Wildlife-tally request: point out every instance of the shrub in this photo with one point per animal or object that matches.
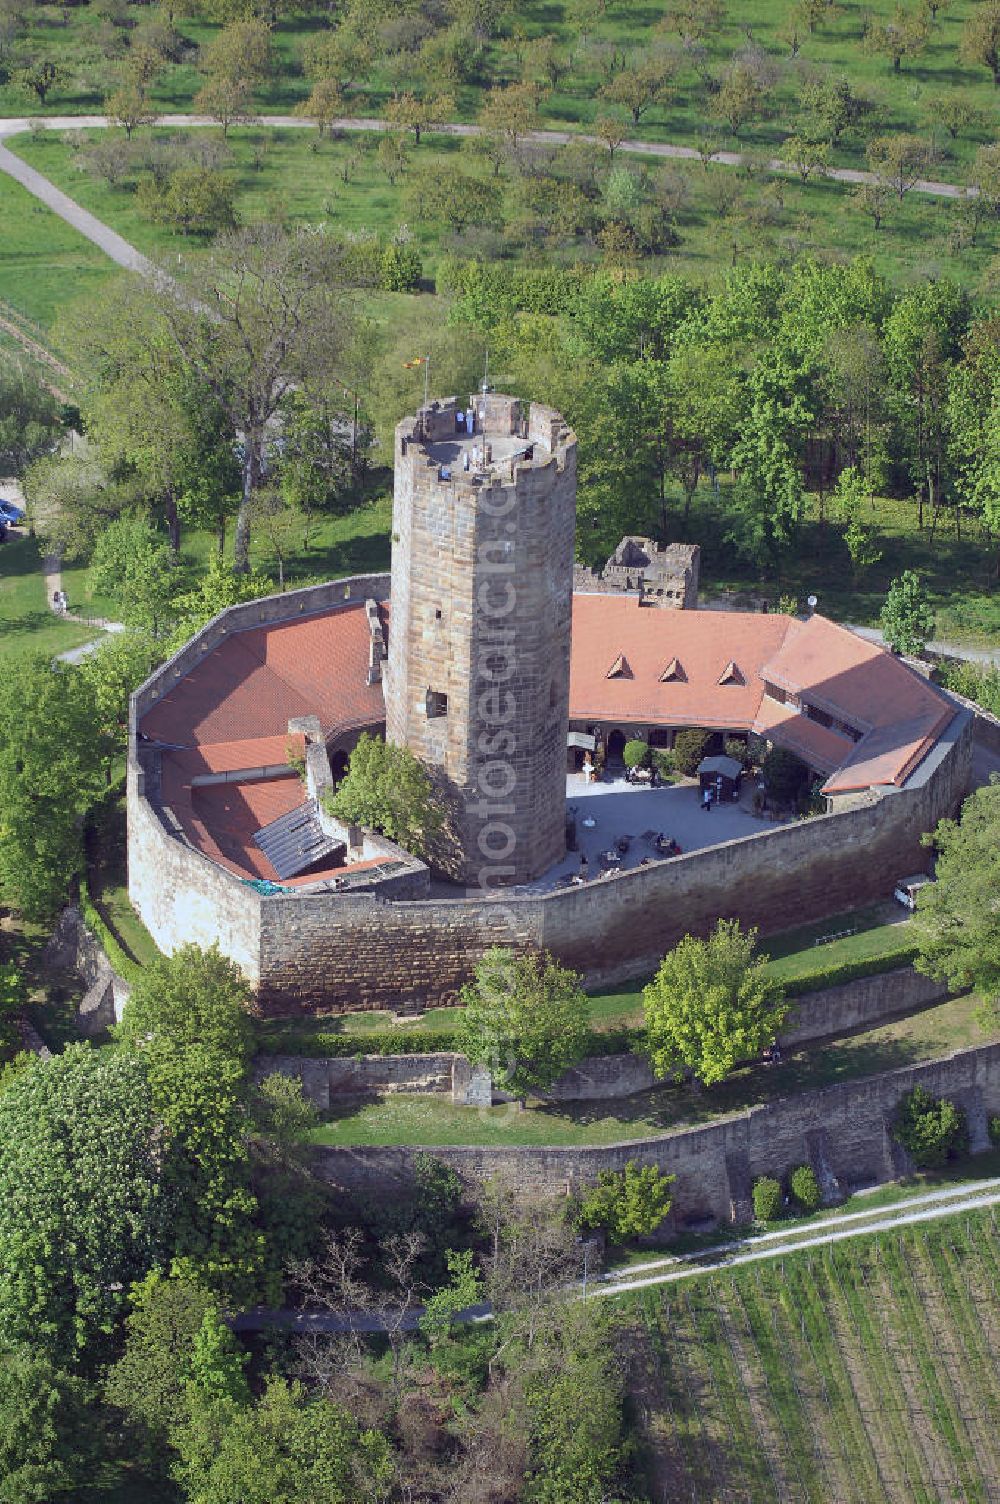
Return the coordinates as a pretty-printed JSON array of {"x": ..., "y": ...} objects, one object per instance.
[
  {"x": 931, "y": 1129},
  {"x": 805, "y": 1188},
  {"x": 766, "y": 1199},
  {"x": 689, "y": 748},
  {"x": 739, "y": 750},
  {"x": 664, "y": 762},
  {"x": 993, "y": 1129},
  {"x": 628, "y": 1205},
  {"x": 636, "y": 754},
  {"x": 784, "y": 774},
  {"x": 400, "y": 269}
]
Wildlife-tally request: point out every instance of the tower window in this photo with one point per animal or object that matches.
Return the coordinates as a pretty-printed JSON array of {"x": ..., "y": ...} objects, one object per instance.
[
  {"x": 437, "y": 614},
  {"x": 436, "y": 704}
]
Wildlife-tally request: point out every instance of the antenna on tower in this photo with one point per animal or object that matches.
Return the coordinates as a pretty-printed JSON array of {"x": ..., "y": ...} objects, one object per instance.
[{"x": 485, "y": 388}]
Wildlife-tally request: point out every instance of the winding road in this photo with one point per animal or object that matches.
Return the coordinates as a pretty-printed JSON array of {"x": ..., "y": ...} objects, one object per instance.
[{"x": 126, "y": 255}]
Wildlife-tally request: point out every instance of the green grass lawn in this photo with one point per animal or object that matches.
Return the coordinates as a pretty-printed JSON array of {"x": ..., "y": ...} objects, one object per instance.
[
  {"x": 107, "y": 881},
  {"x": 429, "y": 1121},
  {"x": 26, "y": 621},
  {"x": 43, "y": 261}
]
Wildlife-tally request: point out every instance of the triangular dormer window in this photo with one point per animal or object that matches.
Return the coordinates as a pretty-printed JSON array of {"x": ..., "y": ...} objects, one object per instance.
[
  {"x": 731, "y": 674},
  {"x": 672, "y": 672},
  {"x": 620, "y": 668}
]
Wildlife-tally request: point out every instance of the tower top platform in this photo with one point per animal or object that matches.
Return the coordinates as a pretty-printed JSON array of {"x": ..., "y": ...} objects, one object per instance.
[{"x": 486, "y": 438}]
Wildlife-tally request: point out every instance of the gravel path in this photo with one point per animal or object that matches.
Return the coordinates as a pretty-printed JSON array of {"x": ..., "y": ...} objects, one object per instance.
[
  {"x": 942, "y": 649},
  {"x": 928, "y": 1207}
]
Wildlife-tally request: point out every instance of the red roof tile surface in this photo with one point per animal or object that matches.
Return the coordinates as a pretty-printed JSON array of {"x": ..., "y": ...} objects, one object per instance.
[{"x": 231, "y": 712}]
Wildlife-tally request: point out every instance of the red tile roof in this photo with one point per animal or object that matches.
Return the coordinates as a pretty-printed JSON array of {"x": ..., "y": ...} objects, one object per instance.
[
  {"x": 703, "y": 642},
  {"x": 231, "y": 712},
  {"x": 254, "y": 682},
  {"x": 724, "y": 659}
]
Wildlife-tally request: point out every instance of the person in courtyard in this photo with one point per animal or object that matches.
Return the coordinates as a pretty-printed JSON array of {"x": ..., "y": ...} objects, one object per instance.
[{"x": 706, "y": 800}]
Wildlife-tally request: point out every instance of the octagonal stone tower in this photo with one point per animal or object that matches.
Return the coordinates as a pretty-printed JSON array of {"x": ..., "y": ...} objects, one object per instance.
[{"x": 477, "y": 679}]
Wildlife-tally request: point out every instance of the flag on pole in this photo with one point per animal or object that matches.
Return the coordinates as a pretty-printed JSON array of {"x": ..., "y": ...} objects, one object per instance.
[{"x": 421, "y": 360}]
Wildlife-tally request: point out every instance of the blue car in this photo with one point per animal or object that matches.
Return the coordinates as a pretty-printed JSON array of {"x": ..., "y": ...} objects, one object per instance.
[{"x": 10, "y": 513}]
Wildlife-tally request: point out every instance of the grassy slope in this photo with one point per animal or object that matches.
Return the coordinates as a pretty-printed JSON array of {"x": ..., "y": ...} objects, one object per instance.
[
  {"x": 25, "y": 618},
  {"x": 865, "y": 1371},
  {"x": 415, "y": 1120},
  {"x": 43, "y": 262}
]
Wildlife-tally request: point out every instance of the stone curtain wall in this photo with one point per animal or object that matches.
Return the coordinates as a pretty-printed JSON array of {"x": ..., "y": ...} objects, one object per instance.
[
  {"x": 183, "y": 896},
  {"x": 360, "y": 952},
  {"x": 844, "y": 1132}
]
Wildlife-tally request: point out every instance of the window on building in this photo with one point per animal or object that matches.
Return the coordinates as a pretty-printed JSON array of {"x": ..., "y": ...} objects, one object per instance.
[{"x": 436, "y": 703}]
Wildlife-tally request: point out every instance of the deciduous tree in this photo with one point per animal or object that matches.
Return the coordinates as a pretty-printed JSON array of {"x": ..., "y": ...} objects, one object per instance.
[
  {"x": 194, "y": 996},
  {"x": 387, "y": 788},
  {"x": 956, "y": 920},
  {"x": 711, "y": 1005},
  {"x": 981, "y": 38},
  {"x": 51, "y": 768},
  {"x": 524, "y": 1018},
  {"x": 907, "y": 619}
]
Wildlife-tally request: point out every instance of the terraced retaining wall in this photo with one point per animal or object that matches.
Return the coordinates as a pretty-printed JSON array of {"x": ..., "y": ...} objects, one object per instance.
[{"x": 843, "y": 1131}]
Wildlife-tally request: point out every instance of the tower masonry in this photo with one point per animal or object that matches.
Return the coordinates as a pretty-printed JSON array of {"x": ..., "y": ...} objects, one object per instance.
[{"x": 477, "y": 679}]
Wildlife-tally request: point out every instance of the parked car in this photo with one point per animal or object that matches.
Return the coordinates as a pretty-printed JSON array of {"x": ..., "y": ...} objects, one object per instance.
[
  {"x": 906, "y": 890},
  {"x": 10, "y": 513}
]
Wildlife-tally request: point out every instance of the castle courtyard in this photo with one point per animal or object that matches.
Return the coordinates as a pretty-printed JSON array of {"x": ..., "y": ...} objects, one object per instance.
[{"x": 620, "y": 811}]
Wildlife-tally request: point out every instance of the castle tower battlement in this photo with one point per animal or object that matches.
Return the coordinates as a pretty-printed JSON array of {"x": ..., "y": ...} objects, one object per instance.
[{"x": 477, "y": 678}]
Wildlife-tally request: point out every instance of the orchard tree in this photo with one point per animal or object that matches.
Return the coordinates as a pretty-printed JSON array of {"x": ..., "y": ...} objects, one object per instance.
[
  {"x": 387, "y": 788},
  {"x": 981, "y": 38},
  {"x": 711, "y": 1005},
  {"x": 904, "y": 34},
  {"x": 525, "y": 1019},
  {"x": 419, "y": 113},
  {"x": 899, "y": 161},
  {"x": 907, "y": 618},
  {"x": 51, "y": 768},
  {"x": 958, "y": 929}
]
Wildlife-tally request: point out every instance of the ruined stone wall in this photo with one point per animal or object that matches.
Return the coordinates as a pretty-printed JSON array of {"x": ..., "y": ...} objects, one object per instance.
[{"x": 843, "y": 1131}]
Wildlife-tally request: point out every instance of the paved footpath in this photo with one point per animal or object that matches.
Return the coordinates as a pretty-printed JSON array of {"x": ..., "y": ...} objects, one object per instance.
[
  {"x": 928, "y": 1207},
  {"x": 119, "y": 249}
]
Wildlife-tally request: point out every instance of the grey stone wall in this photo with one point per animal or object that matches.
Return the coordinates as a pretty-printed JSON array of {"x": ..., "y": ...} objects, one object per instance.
[
  {"x": 863, "y": 1003},
  {"x": 844, "y": 1131},
  {"x": 73, "y": 947}
]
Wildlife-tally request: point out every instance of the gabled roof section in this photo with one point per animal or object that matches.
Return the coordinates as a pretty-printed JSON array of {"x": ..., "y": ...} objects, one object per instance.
[
  {"x": 731, "y": 674},
  {"x": 673, "y": 671},
  {"x": 620, "y": 668}
]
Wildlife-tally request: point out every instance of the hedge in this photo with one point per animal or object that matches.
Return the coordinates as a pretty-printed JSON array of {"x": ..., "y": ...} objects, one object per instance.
[
  {"x": 849, "y": 971},
  {"x": 126, "y": 968},
  {"x": 321, "y": 1045}
]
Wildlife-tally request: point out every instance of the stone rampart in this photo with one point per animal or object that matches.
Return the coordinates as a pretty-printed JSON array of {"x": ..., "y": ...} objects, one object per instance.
[
  {"x": 843, "y": 1131},
  {"x": 73, "y": 947},
  {"x": 862, "y": 1003}
]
